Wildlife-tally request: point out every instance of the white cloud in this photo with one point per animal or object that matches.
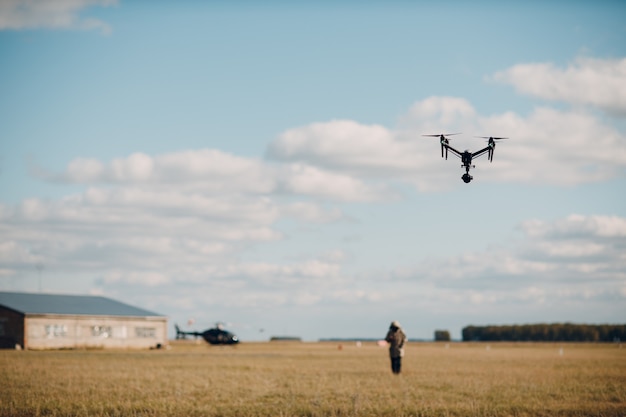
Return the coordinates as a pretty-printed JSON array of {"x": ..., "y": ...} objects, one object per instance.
[
  {"x": 570, "y": 249},
  {"x": 344, "y": 160},
  {"x": 85, "y": 170},
  {"x": 13, "y": 252},
  {"x": 345, "y": 145},
  {"x": 33, "y": 209},
  {"x": 207, "y": 171},
  {"x": 578, "y": 225},
  {"x": 312, "y": 213},
  {"x": 433, "y": 113},
  {"x": 136, "y": 168},
  {"x": 577, "y": 251},
  {"x": 597, "y": 82},
  {"x": 55, "y": 14},
  {"x": 149, "y": 279},
  {"x": 308, "y": 180},
  {"x": 134, "y": 228},
  {"x": 548, "y": 146},
  {"x": 555, "y": 147},
  {"x": 203, "y": 169}
]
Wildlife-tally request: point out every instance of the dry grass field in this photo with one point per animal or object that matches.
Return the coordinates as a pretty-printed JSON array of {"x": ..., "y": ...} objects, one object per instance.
[{"x": 317, "y": 379}]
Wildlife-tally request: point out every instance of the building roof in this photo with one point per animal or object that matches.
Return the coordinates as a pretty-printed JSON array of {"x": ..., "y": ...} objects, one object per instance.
[{"x": 83, "y": 305}]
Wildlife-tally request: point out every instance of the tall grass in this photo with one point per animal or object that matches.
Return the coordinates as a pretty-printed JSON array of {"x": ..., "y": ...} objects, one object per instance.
[{"x": 317, "y": 379}]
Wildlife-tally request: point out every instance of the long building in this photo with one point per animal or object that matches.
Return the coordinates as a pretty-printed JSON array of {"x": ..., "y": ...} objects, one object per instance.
[{"x": 51, "y": 321}]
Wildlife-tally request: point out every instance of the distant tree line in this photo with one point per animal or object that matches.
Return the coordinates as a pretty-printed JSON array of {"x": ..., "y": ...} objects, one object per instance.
[
  {"x": 442, "y": 336},
  {"x": 556, "y": 332},
  {"x": 285, "y": 339}
]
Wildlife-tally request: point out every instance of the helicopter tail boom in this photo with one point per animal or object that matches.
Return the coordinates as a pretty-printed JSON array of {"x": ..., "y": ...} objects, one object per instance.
[{"x": 180, "y": 334}]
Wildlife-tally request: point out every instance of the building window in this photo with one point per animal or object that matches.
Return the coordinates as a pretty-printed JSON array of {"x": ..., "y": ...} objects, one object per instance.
[
  {"x": 55, "y": 330},
  {"x": 103, "y": 332},
  {"x": 145, "y": 332}
]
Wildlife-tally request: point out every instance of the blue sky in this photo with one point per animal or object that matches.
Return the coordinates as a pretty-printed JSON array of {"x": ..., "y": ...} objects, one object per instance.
[{"x": 264, "y": 165}]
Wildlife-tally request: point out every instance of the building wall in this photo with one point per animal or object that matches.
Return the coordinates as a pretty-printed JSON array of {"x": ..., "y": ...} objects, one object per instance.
[
  {"x": 60, "y": 331},
  {"x": 11, "y": 328}
]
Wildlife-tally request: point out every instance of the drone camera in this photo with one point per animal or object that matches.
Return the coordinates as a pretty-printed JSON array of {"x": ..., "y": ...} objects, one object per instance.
[{"x": 466, "y": 178}]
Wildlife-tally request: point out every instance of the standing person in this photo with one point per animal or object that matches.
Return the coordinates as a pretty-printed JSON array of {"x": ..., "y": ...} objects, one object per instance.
[{"x": 396, "y": 339}]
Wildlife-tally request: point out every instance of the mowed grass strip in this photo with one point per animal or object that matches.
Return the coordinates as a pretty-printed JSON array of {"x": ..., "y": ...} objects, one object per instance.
[{"x": 318, "y": 379}]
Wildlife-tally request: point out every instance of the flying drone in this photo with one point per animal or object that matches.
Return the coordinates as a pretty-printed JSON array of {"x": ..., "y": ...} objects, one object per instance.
[{"x": 467, "y": 156}]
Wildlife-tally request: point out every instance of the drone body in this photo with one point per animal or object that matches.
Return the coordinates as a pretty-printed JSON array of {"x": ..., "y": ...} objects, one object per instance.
[{"x": 467, "y": 156}]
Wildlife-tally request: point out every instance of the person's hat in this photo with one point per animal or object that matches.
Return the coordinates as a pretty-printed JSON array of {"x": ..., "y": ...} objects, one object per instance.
[{"x": 395, "y": 323}]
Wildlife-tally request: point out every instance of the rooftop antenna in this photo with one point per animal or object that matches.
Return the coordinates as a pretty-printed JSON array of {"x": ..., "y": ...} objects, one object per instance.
[{"x": 39, "y": 267}]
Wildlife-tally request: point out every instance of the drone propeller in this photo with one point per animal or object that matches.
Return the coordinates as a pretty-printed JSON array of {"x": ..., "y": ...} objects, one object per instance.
[
  {"x": 444, "y": 141},
  {"x": 442, "y": 135},
  {"x": 490, "y": 137}
]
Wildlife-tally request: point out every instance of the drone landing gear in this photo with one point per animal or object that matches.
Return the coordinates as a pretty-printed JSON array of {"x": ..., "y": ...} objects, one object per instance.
[{"x": 466, "y": 178}]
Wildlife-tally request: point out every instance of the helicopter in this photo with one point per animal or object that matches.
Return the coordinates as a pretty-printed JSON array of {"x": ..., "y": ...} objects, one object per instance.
[
  {"x": 215, "y": 336},
  {"x": 467, "y": 156}
]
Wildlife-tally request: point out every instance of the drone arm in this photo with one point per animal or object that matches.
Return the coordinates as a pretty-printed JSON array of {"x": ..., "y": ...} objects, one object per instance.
[
  {"x": 481, "y": 152},
  {"x": 454, "y": 151}
]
